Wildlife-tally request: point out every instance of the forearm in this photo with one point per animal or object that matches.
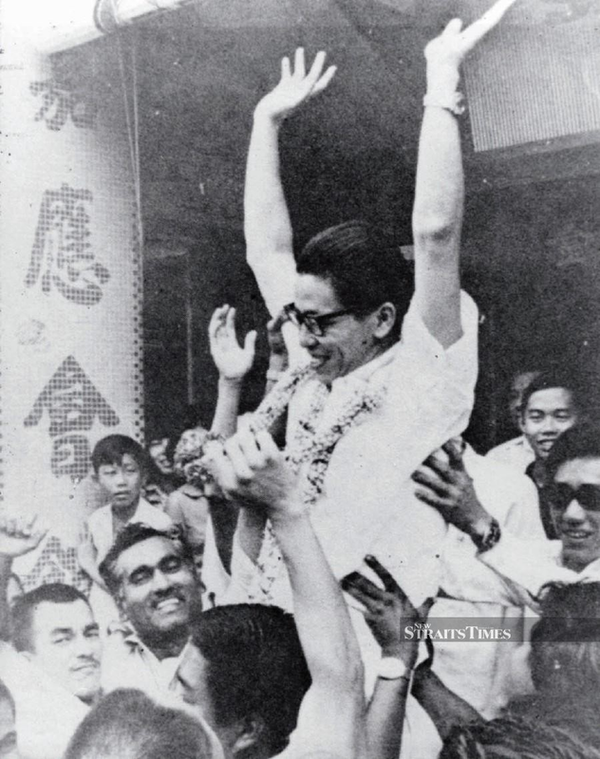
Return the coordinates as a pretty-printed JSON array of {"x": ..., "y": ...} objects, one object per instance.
[
  {"x": 250, "y": 532},
  {"x": 226, "y": 411},
  {"x": 443, "y": 706},
  {"x": 322, "y": 618},
  {"x": 437, "y": 217},
  {"x": 385, "y": 718},
  {"x": 5, "y": 619},
  {"x": 267, "y": 225}
]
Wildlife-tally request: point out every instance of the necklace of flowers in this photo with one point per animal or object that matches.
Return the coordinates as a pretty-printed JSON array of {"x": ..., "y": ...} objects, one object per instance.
[{"x": 311, "y": 446}]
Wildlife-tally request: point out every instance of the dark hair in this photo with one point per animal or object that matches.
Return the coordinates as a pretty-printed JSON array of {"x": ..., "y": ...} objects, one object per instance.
[
  {"x": 130, "y": 535},
  {"x": 126, "y": 724},
  {"x": 565, "y": 642},
  {"x": 23, "y": 610},
  {"x": 362, "y": 266},
  {"x": 550, "y": 380},
  {"x": 255, "y": 666},
  {"x": 5, "y": 695},
  {"x": 111, "y": 449},
  {"x": 525, "y": 737},
  {"x": 582, "y": 441}
]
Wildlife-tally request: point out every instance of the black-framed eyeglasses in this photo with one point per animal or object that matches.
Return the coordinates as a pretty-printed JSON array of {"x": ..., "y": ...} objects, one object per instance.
[
  {"x": 587, "y": 496},
  {"x": 316, "y": 325}
]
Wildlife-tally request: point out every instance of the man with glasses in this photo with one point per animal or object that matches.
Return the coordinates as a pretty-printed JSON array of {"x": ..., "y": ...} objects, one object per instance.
[
  {"x": 365, "y": 407},
  {"x": 574, "y": 496}
]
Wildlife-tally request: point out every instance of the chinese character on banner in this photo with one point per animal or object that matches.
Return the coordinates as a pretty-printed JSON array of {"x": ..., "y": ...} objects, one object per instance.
[
  {"x": 62, "y": 256},
  {"x": 58, "y": 103},
  {"x": 73, "y": 404}
]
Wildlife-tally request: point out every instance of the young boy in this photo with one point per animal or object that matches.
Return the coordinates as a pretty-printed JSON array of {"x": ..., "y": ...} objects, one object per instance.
[{"x": 119, "y": 464}]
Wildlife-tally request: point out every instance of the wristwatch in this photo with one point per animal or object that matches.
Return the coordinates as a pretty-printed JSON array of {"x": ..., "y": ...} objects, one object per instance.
[{"x": 391, "y": 668}]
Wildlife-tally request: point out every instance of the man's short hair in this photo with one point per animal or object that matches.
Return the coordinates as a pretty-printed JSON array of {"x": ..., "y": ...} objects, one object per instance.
[
  {"x": 127, "y": 724},
  {"x": 363, "y": 267},
  {"x": 6, "y": 697},
  {"x": 24, "y": 607},
  {"x": 110, "y": 451},
  {"x": 582, "y": 441},
  {"x": 255, "y": 666},
  {"x": 551, "y": 380},
  {"x": 130, "y": 535}
]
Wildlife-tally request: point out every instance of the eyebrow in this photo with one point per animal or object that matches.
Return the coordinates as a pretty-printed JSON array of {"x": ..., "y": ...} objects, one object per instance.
[
  {"x": 61, "y": 630},
  {"x": 92, "y": 627}
]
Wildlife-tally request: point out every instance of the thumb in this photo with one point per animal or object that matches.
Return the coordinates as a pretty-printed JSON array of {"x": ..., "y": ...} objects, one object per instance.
[
  {"x": 250, "y": 342},
  {"x": 453, "y": 27}
]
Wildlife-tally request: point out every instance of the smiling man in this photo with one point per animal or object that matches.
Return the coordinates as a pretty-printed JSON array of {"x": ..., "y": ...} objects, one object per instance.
[
  {"x": 383, "y": 359},
  {"x": 552, "y": 404},
  {"x": 152, "y": 577},
  {"x": 573, "y": 468}
]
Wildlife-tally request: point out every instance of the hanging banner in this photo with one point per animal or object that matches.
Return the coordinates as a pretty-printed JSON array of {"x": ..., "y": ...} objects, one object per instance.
[{"x": 70, "y": 291}]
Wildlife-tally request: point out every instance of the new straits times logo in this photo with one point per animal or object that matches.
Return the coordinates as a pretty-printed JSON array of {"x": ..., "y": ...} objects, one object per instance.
[{"x": 471, "y": 632}]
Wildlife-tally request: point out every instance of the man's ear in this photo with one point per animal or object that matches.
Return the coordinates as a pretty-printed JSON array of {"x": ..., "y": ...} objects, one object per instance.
[
  {"x": 386, "y": 319},
  {"x": 248, "y": 731}
]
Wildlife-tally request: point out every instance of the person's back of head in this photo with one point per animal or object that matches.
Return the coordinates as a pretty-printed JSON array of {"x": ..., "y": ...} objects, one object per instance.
[
  {"x": 582, "y": 441},
  {"x": 109, "y": 451},
  {"x": 510, "y": 737},
  {"x": 565, "y": 642},
  {"x": 362, "y": 265},
  {"x": 127, "y": 724},
  {"x": 255, "y": 668}
]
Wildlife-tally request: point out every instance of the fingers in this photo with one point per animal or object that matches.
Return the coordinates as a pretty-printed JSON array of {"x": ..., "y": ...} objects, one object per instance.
[
  {"x": 386, "y": 578},
  {"x": 238, "y": 456},
  {"x": 230, "y": 323},
  {"x": 299, "y": 64},
  {"x": 250, "y": 343},
  {"x": 431, "y": 480},
  {"x": 362, "y": 589},
  {"x": 478, "y": 29},
  {"x": 217, "y": 321},
  {"x": 323, "y": 82},
  {"x": 455, "y": 448},
  {"x": 286, "y": 71}
]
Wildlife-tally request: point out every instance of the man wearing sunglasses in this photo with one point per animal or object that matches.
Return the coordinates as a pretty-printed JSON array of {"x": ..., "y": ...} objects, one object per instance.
[{"x": 574, "y": 496}]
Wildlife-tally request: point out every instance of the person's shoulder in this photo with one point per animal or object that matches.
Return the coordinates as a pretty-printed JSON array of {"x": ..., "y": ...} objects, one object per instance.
[
  {"x": 152, "y": 515},
  {"x": 100, "y": 515}
]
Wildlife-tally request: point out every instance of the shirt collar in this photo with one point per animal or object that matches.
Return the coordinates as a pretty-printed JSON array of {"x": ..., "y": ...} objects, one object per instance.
[{"x": 365, "y": 372}]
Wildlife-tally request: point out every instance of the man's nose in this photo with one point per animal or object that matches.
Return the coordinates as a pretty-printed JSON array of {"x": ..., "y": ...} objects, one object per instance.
[
  {"x": 160, "y": 580},
  {"x": 549, "y": 424},
  {"x": 87, "y": 646},
  {"x": 574, "y": 511},
  {"x": 307, "y": 339}
]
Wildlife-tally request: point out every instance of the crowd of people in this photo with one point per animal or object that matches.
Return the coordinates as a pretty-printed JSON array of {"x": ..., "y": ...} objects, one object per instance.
[{"x": 339, "y": 574}]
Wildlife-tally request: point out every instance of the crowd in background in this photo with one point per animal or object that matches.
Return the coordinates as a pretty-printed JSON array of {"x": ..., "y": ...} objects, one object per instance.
[{"x": 339, "y": 574}]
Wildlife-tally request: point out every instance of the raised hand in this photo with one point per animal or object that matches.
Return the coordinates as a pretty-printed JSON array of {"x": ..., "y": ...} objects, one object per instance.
[
  {"x": 295, "y": 87},
  {"x": 250, "y": 468},
  {"x": 454, "y": 43},
  {"x": 387, "y": 611},
  {"x": 19, "y": 534},
  {"x": 232, "y": 361},
  {"x": 445, "y": 484}
]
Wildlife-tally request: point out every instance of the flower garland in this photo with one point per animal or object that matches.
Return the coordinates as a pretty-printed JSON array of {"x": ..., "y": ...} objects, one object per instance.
[{"x": 312, "y": 446}]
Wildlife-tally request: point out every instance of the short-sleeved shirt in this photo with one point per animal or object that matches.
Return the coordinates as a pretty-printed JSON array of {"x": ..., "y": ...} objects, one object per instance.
[{"x": 100, "y": 524}]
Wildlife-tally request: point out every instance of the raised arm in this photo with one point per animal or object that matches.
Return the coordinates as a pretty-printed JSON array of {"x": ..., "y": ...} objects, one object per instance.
[
  {"x": 267, "y": 224},
  {"x": 233, "y": 363},
  {"x": 439, "y": 193},
  {"x": 253, "y": 469},
  {"x": 18, "y": 535}
]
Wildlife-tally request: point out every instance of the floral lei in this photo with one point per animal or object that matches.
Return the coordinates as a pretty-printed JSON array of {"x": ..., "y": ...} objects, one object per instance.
[{"x": 313, "y": 443}]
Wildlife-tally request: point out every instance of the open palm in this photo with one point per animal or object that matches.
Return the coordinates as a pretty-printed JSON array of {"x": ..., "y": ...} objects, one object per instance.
[
  {"x": 296, "y": 86},
  {"x": 231, "y": 359}
]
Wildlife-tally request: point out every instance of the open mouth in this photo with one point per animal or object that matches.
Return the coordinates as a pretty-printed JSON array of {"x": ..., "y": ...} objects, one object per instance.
[
  {"x": 576, "y": 536},
  {"x": 169, "y": 605}
]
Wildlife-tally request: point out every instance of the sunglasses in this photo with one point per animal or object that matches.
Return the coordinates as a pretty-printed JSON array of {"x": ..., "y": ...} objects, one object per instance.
[
  {"x": 316, "y": 325},
  {"x": 587, "y": 496}
]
